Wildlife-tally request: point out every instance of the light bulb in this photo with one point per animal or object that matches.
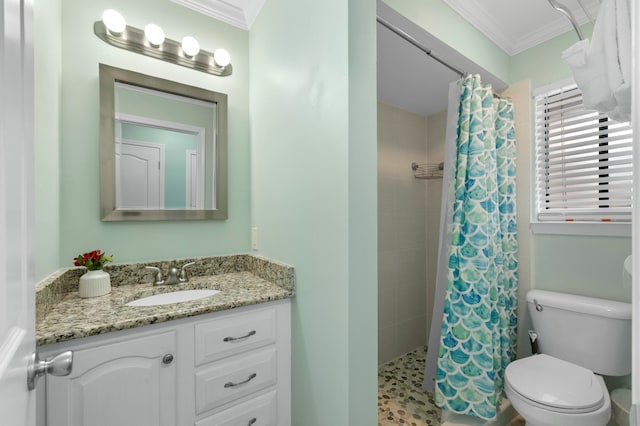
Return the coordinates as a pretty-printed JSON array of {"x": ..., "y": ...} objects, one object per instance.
[
  {"x": 221, "y": 57},
  {"x": 190, "y": 46},
  {"x": 114, "y": 21},
  {"x": 154, "y": 34}
]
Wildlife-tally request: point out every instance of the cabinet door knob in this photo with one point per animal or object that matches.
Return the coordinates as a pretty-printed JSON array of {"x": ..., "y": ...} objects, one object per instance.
[
  {"x": 167, "y": 359},
  {"x": 252, "y": 421}
]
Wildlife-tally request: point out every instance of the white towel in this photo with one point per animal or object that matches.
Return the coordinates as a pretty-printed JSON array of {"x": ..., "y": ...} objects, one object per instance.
[
  {"x": 621, "y": 82},
  {"x": 602, "y": 69},
  {"x": 589, "y": 67}
]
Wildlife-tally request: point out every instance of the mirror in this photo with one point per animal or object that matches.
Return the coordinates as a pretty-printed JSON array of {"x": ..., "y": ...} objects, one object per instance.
[{"x": 163, "y": 149}]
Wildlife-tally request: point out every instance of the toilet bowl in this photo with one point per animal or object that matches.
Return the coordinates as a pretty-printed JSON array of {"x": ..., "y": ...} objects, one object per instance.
[{"x": 547, "y": 391}]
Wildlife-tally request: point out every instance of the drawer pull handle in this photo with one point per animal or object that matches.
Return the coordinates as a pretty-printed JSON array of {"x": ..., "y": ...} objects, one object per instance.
[
  {"x": 252, "y": 421},
  {"x": 167, "y": 359},
  {"x": 233, "y": 339},
  {"x": 233, "y": 385}
]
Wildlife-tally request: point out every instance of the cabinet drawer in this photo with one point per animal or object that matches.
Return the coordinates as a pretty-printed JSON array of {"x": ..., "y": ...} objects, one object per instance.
[
  {"x": 260, "y": 411},
  {"x": 219, "y": 338},
  {"x": 227, "y": 380}
]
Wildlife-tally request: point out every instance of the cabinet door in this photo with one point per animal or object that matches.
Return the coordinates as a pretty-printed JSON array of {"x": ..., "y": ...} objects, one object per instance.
[{"x": 127, "y": 382}]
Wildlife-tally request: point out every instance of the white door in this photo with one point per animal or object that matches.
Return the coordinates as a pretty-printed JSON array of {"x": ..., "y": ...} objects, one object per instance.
[
  {"x": 139, "y": 175},
  {"x": 17, "y": 270}
]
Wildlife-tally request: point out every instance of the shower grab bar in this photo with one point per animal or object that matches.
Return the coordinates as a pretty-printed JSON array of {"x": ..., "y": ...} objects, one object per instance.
[{"x": 563, "y": 9}]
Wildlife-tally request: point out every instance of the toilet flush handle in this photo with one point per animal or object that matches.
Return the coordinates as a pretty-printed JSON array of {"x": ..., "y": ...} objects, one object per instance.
[{"x": 539, "y": 307}]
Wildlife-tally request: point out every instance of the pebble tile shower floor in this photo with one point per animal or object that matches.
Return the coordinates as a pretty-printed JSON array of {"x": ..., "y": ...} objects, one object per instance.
[{"x": 401, "y": 400}]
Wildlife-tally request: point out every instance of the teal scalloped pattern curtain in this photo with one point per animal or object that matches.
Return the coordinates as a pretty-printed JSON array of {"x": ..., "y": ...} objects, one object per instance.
[{"x": 479, "y": 325}]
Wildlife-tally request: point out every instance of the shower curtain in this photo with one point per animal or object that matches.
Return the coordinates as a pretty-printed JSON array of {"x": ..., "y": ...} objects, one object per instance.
[{"x": 478, "y": 331}]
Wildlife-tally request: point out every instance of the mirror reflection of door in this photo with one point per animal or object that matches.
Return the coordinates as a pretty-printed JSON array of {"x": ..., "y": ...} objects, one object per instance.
[
  {"x": 185, "y": 127},
  {"x": 159, "y": 156},
  {"x": 139, "y": 175}
]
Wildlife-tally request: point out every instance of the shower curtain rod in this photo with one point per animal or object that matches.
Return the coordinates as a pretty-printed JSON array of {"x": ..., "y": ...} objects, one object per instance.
[{"x": 417, "y": 44}]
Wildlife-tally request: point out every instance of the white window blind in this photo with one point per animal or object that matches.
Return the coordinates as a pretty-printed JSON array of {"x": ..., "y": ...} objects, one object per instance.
[{"x": 583, "y": 161}]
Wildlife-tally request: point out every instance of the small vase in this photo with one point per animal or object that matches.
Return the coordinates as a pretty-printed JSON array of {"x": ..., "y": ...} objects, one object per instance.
[{"x": 94, "y": 283}]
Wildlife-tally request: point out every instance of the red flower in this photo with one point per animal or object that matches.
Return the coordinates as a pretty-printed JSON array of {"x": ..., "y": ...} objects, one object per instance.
[{"x": 92, "y": 260}]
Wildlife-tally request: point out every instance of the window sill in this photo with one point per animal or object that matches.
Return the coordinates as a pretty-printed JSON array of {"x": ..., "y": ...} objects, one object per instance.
[{"x": 606, "y": 229}]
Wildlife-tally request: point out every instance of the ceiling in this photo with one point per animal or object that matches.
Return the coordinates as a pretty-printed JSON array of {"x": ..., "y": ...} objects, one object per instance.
[{"x": 407, "y": 77}]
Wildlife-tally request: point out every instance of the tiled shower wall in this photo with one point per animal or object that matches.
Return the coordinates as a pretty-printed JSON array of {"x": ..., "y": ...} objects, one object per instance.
[{"x": 408, "y": 221}]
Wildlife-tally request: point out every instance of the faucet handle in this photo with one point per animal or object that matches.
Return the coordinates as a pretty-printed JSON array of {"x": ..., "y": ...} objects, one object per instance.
[
  {"x": 158, "y": 274},
  {"x": 184, "y": 277}
]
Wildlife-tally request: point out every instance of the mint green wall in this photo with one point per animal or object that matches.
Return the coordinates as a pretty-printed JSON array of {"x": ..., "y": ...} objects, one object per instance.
[
  {"x": 81, "y": 228},
  {"x": 314, "y": 194},
  {"x": 47, "y": 23},
  {"x": 442, "y": 22},
  {"x": 590, "y": 266}
]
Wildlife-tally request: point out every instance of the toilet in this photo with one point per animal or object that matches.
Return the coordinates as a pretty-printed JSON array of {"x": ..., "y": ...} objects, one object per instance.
[{"x": 579, "y": 339}]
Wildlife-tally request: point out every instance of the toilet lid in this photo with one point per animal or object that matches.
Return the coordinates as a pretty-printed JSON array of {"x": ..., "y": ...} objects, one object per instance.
[{"x": 555, "y": 383}]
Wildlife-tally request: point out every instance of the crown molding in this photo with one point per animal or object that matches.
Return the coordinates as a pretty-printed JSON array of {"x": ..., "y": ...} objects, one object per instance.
[
  {"x": 239, "y": 13},
  {"x": 487, "y": 23},
  {"x": 542, "y": 34}
]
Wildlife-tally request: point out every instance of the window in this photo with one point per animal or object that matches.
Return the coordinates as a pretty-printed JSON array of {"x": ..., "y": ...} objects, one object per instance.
[{"x": 583, "y": 161}]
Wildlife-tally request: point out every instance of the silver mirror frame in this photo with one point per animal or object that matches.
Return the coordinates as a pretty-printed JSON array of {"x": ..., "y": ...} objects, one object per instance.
[{"x": 108, "y": 212}]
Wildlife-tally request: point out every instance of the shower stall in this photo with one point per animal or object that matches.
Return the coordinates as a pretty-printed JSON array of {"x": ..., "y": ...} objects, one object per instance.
[
  {"x": 408, "y": 228},
  {"x": 411, "y": 148}
]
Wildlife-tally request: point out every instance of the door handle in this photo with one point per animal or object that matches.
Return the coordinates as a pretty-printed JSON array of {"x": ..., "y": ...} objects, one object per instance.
[{"x": 59, "y": 365}]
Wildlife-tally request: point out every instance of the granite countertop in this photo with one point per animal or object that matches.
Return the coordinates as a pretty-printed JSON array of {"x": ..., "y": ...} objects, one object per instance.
[{"x": 241, "y": 279}]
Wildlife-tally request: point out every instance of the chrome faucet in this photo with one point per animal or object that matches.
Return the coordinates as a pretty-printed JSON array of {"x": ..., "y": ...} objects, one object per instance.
[{"x": 174, "y": 275}]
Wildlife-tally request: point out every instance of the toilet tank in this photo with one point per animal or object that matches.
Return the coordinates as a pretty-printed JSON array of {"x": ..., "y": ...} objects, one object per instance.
[{"x": 593, "y": 333}]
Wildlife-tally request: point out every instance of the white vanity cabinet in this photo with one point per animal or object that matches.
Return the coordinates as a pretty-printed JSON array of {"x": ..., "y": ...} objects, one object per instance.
[{"x": 223, "y": 369}]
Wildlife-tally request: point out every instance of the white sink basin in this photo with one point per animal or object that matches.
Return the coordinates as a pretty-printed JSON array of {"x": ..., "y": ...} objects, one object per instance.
[{"x": 173, "y": 297}]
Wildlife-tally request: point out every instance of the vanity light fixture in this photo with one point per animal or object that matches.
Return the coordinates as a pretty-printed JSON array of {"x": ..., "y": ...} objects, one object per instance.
[{"x": 113, "y": 30}]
